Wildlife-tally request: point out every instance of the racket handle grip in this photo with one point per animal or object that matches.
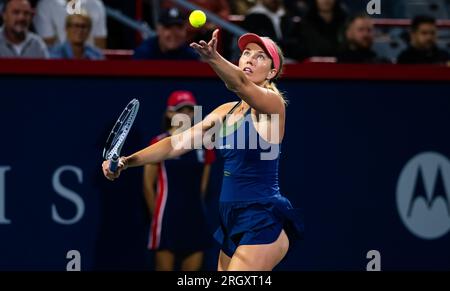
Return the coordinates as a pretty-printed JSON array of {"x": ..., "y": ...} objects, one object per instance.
[{"x": 114, "y": 163}]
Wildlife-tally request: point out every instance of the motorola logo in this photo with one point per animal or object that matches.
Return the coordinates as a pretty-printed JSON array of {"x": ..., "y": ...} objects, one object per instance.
[{"x": 423, "y": 195}]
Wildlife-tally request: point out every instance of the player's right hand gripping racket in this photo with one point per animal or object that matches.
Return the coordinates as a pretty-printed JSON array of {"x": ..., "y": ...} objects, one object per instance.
[{"x": 119, "y": 133}]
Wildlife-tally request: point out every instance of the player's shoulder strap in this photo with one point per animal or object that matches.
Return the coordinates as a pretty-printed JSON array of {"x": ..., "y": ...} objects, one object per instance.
[
  {"x": 234, "y": 107},
  {"x": 232, "y": 110}
]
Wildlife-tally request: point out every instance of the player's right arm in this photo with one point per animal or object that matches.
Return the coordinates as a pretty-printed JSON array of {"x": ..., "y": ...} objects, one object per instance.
[{"x": 172, "y": 146}]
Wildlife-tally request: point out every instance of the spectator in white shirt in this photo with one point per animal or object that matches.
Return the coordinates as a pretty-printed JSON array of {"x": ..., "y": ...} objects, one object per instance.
[{"x": 50, "y": 20}]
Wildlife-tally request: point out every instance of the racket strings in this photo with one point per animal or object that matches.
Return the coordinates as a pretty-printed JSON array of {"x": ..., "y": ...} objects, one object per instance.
[{"x": 123, "y": 126}]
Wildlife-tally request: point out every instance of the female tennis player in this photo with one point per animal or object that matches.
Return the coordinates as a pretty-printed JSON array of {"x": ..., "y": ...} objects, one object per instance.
[{"x": 257, "y": 223}]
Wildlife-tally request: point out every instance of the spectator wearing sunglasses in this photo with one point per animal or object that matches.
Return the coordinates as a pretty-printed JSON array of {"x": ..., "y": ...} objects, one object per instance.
[{"x": 78, "y": 28}]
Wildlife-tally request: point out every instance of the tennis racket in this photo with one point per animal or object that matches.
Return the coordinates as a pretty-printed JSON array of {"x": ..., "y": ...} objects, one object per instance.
[{"x": 119, "y": 133}]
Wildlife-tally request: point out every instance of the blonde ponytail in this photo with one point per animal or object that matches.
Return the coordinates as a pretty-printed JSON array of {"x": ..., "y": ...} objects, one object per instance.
[{"x": 273, "y": 87}]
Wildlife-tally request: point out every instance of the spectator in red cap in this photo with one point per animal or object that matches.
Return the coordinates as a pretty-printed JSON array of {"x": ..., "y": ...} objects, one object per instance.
[
  {"x": 257, "y": 223},
  {"x": 174, "y": 190}
]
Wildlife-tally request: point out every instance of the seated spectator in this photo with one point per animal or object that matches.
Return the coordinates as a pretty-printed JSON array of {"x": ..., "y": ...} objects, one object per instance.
[
  {"x": 218, "y": 7},
  {"x": 267, "y": 18},
  {"x": 422, "y": 47},
  {"x": 241, "y": 7},
  {"x": 50, "y": 20},
  {"x": 296, "y": 7},
  {"x": 320, "y": 32},
  {"x": 170, "y": 41},
  {"x": 78, "y": 27},
  {"x": 359, "y": 37},
  {"x": 16, "y": 40}
]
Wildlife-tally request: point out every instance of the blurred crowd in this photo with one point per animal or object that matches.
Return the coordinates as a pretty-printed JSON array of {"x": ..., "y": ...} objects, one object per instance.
[{"x": 306, "y": 30}]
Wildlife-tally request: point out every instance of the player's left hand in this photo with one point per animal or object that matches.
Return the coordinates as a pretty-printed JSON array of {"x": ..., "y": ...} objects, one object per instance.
[{"x": 207, "y": 51}]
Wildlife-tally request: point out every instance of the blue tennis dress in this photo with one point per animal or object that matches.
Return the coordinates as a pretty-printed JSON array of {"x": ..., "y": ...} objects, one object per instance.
[{"x": 252, "y": 209}]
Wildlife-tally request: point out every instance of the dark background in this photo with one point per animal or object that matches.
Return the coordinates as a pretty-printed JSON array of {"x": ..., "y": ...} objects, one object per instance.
[{"x": 345, "y": 146}]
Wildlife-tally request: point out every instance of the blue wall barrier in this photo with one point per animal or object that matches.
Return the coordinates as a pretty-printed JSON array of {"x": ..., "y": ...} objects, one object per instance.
[{"x": 367, "y": 161}]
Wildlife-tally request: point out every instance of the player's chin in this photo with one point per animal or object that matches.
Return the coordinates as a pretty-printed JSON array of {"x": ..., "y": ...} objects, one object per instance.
[{"x": 254, "y": 78}]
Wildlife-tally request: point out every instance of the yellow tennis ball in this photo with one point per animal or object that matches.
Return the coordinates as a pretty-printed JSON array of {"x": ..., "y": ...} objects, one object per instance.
[{"x": 197, "y": 18}]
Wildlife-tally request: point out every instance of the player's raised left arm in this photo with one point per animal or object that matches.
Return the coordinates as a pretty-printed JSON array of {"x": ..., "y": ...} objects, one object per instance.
[{"x": 259, "y": 98}]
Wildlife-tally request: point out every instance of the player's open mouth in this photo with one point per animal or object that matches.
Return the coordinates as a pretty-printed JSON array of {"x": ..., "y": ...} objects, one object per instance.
[{"x": 248, "y": 70}]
